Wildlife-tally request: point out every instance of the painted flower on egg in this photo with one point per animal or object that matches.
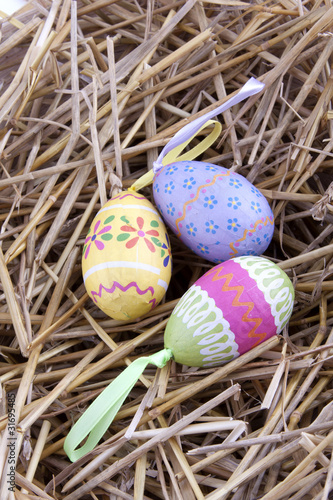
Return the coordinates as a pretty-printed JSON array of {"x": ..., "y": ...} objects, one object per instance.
[
  {"x": 139, "y": 232},
  {"x": 98, "y": 235}
]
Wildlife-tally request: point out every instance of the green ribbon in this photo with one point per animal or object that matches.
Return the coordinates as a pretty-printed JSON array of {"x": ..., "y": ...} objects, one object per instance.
[{"x": 98, "y": 417}]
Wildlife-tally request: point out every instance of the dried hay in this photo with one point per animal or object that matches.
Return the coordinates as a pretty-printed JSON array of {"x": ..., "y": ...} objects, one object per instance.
[{"x": 91, "y": 90}]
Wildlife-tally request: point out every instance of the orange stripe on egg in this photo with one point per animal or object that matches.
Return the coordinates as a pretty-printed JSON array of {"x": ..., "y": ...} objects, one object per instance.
[
  {"x": 246, "y": 231},
  {"x": 239, "y": 289}
]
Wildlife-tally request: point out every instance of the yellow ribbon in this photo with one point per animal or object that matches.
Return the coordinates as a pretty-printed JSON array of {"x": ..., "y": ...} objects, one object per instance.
[{"x": 175, "y": 154}]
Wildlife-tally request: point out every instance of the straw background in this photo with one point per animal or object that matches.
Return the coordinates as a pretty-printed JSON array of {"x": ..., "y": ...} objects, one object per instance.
[{"x": 91, "y": 90}]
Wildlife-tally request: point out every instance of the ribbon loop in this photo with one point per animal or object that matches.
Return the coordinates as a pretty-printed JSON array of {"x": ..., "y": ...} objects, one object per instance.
[
  {"x": 172, "y": 151},
  {"x": 98, "y": 417},
  {"x": 184, "y": 135},
  {"x": 174, "y": 154}
]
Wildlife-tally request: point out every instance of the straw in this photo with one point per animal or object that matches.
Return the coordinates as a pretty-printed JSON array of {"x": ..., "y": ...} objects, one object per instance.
[{"x": 90, "y": 94}]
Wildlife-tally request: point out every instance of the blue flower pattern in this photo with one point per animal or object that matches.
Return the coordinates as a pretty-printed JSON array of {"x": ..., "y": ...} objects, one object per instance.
[
  {"x": 160, "y": 209},
  {"x": 169, "y": 187},
  {"x": 171, "y": 209},
  {"x": 210, "y": 201},
  {"x": 191, "y": 229},
  {"x": 256, "y": 192},
  {"x": 256, "y": 207},
  {"x": 171, "y": 170},
  {"x": 211, "y": 227},
  {"x": 233, "y": 225},
  {"x": 189, "y": 168},
  {"x": 234, "y": 203},
  {"x": 203, "y": 248},
  {"x": 189, "y": 183},
  {"x": 235, "y": 183}
]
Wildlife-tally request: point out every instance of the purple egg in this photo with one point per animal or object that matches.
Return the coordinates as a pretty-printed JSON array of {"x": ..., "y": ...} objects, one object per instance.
[{"x": 215, "y": 212}]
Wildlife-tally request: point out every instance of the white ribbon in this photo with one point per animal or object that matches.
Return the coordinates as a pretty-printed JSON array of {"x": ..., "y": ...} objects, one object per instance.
[{"x": 251, "y": 87}]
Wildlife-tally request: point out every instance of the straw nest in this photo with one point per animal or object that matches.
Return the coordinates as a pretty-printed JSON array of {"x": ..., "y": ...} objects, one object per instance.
[{"x": 91, "y": 91}]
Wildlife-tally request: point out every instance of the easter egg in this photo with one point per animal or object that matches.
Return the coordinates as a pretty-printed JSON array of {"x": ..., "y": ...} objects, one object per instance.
[
  {"x": 217, "y": 213},
  {"x": 126, "y": 259},
  {"x": 233, "y": 307}
]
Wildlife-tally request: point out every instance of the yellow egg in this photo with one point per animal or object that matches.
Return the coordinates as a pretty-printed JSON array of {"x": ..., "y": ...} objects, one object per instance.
[{"x": 126, "y": 260}]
